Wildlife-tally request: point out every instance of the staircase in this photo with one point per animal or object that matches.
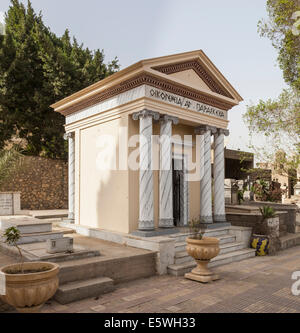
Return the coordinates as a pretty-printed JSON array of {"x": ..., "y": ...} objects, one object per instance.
[
  {"x": 84, "y": 272},
  {"x": 230, "y": 250},
  {"x": 92, "y": 277}
]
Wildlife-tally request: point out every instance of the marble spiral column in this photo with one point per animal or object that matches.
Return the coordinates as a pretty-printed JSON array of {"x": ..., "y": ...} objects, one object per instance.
[
  {"x": 166, "y": 219},
  {"x": 205, "y": 182},
  {"x": 219, "y": 175},
  {"x": 71, "y": 169},
  {"x": 146, "y": 207}
]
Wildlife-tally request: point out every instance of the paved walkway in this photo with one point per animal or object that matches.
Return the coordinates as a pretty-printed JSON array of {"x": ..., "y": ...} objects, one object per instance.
[{"x": 260, "y": 284}]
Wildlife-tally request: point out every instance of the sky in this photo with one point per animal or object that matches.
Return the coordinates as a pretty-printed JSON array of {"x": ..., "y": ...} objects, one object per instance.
[{"x": 139, "y": 29}]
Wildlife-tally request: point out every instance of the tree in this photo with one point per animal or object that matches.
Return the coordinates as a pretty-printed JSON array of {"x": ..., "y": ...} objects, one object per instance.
[
  {"x": 283, "y": 29},
  {"x": 11, "y": 160},
  {"x": 279, "y": 119},
  {"x": 37, "y": 68},
  {"x": 2, "y": 28}
]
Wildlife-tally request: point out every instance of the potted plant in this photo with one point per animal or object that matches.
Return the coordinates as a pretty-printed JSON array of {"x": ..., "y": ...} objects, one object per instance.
[
  {"x": 266, "y": 232},
  {"x": 202, "y": 249},
  {"x": 28, "y": 285}
]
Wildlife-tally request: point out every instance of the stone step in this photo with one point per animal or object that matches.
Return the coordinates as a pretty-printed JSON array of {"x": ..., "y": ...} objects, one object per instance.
[
  {"x": 75, "y": 291},
  {"x": 119, "y": 269},
  {"x": 65, "y": 231},
  {"x": 180, "y": 237},
  {"x": 231, "y": 247},
  {"x": 182, "y": 256},
  {"x": 180, "y": 246},
  {"x": 39, "y": 237},
  {"x": 221, "y": 259},
  {"x": 289, "y": 240}
]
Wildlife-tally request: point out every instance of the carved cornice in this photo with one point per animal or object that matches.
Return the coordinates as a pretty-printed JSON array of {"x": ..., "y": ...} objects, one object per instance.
[
  {"x": 150, "y": 80},
  {"x": 199, "y": 68}
]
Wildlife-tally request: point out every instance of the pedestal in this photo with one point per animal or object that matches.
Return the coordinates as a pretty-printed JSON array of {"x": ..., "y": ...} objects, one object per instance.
[{"x": 201, "y": 273}]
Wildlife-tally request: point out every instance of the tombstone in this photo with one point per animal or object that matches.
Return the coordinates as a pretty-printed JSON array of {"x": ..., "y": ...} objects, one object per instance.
[
  {"x": 240, "y": 184},
  {"x": 234, "y": 194},
  {"x": 229, "y": 181},
  {"x": 297, "y": 189},
  {"x": 227, "y": 192},
  {"x": 247, "y": 196},
  {"x": 10, "y": 203},
  {"x": 227, "y": 189},
  {"x": 59, "y": 245}
]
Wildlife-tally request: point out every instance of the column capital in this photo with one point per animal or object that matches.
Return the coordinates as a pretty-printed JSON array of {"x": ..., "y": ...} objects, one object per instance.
[
  {"x": 167, "y": 118},
  {"x": 69, "y": 135},
  {"x": 205, "y": 128},
  {"x": 223, "y": 131},
  {"x": 145, "y": 113}
]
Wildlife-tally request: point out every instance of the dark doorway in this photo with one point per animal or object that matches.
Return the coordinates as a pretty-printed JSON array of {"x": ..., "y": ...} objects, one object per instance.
[{"x": 177, "y": 179}]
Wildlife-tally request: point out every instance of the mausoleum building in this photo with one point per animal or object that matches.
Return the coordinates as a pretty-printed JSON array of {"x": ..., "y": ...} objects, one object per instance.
[{"x": 178, "y": 107}]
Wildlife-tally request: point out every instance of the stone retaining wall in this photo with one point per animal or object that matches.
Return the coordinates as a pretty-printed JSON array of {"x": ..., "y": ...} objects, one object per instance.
[
  {"x": 278, "y": 207},
  {"x": 43, "y": 183},
  {"x": 249, "y": 220}
]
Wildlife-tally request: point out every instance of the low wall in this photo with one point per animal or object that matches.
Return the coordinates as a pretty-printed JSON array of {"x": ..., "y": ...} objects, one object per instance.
[
  {"x": 42, "y": 182},
  {"x": 290, "y": 209},
  {"x": 249, "y": 220}
]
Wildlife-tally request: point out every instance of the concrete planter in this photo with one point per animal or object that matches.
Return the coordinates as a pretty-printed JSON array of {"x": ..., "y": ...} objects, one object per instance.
[
  {"x": 202, "y": 250},
  {"x": 273, "y": 225},
  {"x": 28, "y": 292}
]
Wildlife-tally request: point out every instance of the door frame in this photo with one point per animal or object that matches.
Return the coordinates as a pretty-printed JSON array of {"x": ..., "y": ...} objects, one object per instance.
[{"x": 184, "y": 188}]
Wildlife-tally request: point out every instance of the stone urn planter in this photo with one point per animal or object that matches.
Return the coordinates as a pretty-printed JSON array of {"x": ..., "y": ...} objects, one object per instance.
[
  {"x": 202, "y": 250},
  {"x": 29, "y": 291}
]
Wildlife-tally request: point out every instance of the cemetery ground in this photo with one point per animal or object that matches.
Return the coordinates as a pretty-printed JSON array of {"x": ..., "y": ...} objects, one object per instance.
[{"x": 255, "y": 285}]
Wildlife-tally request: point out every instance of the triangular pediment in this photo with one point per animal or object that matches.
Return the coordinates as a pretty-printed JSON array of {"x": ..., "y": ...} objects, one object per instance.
[
  {"x": 190, "y": 77},
  {"x": 194, "y": 72},
  {"x": 190, "y": 74}
]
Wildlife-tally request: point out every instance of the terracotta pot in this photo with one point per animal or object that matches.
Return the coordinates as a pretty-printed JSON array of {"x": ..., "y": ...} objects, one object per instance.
[
  {"x": 29, "y": 292},
  {"x": 202, "y": 250}
]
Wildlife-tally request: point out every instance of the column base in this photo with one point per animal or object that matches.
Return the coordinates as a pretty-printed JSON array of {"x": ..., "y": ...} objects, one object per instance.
[
  {"x": 68, "y": 220},
  {"x": 220, "y": 219},
  {"x": 166, "y": 223},
  {"x": 146, "y": 225},
  {"x": 217, "y": 225},
  {"x": 156, "y": 232},
  {"x": 206, "y": 219}
]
